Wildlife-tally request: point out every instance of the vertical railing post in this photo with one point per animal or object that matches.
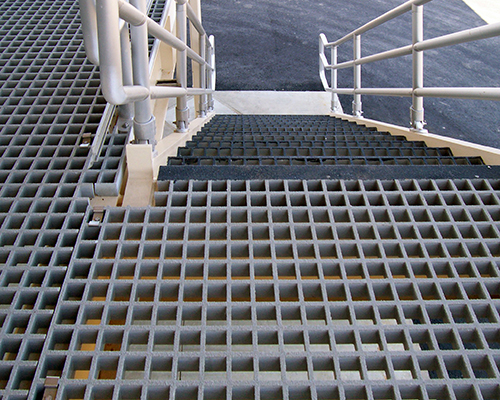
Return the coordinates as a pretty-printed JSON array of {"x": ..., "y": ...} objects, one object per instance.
[
  {"x": 357, "y": 109},
  {"x": 126, "y": 111},
  {"x": 203, "y": 76},
  {"x": 182, "y": 110},
  {"x": 144, "y": 122},
  {"x": 211, "y": 72},
  {"x": 336, "y": 106},
  {"x": 417, "y": 108}
]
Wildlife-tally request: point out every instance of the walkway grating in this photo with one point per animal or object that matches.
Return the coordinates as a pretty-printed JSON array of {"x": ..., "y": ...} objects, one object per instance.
[
  {"x": 319, "y": 289},
  {"x": 305, "y": 140}
]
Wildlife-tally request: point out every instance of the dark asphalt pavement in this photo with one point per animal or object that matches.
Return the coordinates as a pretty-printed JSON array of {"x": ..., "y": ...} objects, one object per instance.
[{"x": 273, "y": 45}]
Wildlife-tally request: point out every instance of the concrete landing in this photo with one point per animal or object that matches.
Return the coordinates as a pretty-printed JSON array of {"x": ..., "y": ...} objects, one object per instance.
[
  {"x": 488, "y": 10},
  {"x": 261, "y": 102},
  {"x": 270, "y": 102}
]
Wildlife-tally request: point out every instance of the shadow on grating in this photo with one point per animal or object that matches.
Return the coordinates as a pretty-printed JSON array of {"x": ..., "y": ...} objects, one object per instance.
[{"x": 273, "y": 140}]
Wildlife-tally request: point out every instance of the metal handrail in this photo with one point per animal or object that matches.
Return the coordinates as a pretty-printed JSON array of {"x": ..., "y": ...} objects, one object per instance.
[
  {"x": 111, "y": 28},
  {"x": 416, "y": 49}
]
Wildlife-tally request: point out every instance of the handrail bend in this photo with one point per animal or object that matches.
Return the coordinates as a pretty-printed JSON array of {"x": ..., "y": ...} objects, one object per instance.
[
  {"x": 416, "y": 49},
  {"x": 111, "y": 28}
]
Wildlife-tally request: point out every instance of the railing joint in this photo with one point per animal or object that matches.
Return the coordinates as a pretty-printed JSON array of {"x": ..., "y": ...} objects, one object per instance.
[{"x": 125, "y": 61}]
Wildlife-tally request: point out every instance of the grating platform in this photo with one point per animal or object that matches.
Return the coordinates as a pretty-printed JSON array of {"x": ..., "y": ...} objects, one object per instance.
[
  {"x": 49, "y": 103},
  {"x": 319, "y": 289},
  {"x": 297, "y": 288}
]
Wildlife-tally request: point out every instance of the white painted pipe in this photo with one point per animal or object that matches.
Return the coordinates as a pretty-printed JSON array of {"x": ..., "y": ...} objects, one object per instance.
[
  {"x": 194, "y": 20},
  {"x": 357, "y": 107},
  {"x": 110, "y": 57},
  {"x": 468, "y": 35},
  {"x": 417, "y": 107},
  {"x": 182, "y": 110},
  {"x": 89, "y": 29},
  {"x": 476, "y": 93},
  {"x": 136, "y": 18},
  {"x": 398, "y": 92},
  {"x": 396, "y": 12},
  {"x": 323, "y": 62},
  {"x": 385, "y": 55}
]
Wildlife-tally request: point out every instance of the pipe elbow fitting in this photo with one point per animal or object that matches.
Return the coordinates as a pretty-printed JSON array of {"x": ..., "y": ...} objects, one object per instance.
[
  {"x": 92, "y": 53},
  {"x": 119, "y": 94}
]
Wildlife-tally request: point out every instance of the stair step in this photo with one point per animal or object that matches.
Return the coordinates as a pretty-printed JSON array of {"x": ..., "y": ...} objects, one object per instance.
[
  {"x": 225, "y": 172},
  {"x": 290, "y": 141},
  {"x": 235, "y": 161}
]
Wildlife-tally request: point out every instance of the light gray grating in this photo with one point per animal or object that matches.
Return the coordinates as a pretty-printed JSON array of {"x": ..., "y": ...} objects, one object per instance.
[
  {"x": 49, "y": 99},
  {"x": 286, "y": 290}
]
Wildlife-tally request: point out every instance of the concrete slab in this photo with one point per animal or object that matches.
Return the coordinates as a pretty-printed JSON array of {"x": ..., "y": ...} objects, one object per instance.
[
  {"x": 272, "y": 102},
  {"x": 489, "y": 10},
  {"x": 259, "y": 102}
]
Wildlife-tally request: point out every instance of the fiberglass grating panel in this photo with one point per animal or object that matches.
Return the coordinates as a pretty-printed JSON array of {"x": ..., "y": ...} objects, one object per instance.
[
  {"x": 286, "y": 290},
  {"x": 49, "y": 98}
]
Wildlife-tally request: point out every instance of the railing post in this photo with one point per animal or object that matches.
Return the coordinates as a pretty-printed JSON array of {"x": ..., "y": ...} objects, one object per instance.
[
  {"x": 417, "y": 108},
  {"x": 126, "y": 111},
  {"x": 336, "y": 106},
  {"x": 203, "y": 76},
  {"x": 144, "y": 122},
  {"x": 211, "y": 72},
  {"x": 182, "y": 109},
  {"x": 357, "y": 109}
]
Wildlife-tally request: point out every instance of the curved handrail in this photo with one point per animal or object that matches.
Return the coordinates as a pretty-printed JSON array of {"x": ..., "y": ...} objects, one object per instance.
[{"x": 106, "y": 45}]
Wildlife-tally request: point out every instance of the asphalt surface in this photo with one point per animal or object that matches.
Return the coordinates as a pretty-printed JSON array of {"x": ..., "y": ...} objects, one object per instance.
[{"x": 273, "y": 45}]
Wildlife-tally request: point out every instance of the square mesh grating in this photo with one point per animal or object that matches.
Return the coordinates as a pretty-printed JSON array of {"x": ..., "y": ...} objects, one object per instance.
[
  {"x": 279, "y": 289},
  {"x": 49, "y": 99},
  {"x": 268, "y": 140},
  {"x": 237, "y": 290}
]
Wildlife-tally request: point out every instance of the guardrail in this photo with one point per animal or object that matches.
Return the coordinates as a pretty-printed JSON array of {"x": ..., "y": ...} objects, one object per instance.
[
  {"x": 416, "y": 49},
  {"x": 115, "y": 36}
]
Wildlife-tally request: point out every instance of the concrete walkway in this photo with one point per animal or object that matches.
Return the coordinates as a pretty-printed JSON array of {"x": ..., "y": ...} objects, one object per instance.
[
  {"x": 266, "y": 102},
  {"x": 489, "y": 10}
]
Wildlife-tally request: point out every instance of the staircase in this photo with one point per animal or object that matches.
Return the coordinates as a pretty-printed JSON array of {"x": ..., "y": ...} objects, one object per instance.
[
  {"x": 303, "y": 288},
  {"x": 305, "y": 140}
]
